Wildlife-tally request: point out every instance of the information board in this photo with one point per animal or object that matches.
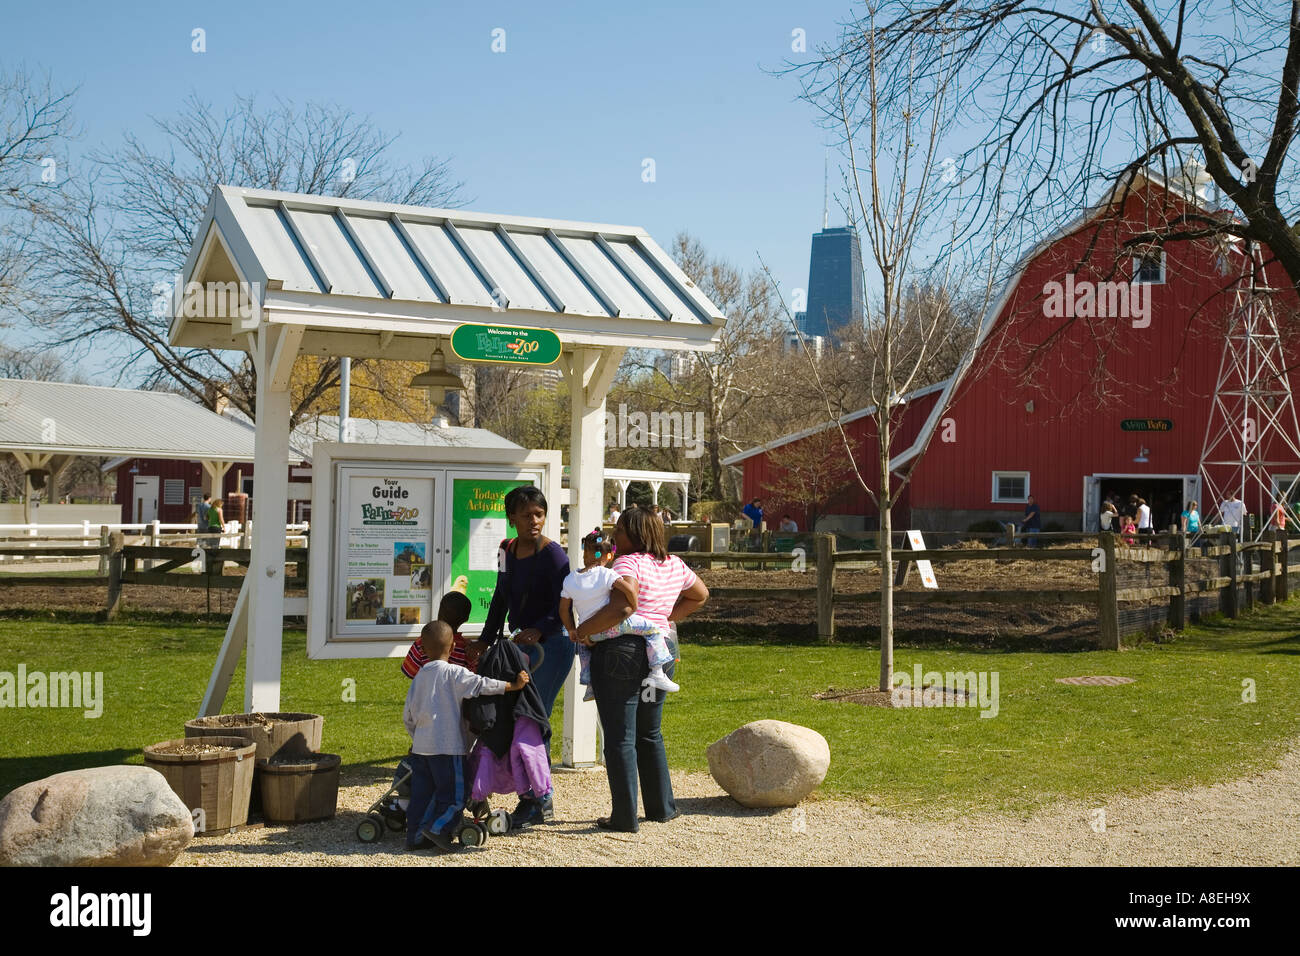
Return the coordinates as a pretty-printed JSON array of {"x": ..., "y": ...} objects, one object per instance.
[
  {"x": 386, "y": 548},
  {"x": 479, "y": 524}
]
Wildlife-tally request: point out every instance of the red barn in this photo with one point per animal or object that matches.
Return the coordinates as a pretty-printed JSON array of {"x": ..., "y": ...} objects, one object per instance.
[{"x": 1094, "y": 374}]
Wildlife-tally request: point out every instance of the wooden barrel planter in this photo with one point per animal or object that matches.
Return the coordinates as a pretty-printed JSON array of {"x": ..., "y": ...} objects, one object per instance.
[
  {"x": 297, "y": 789},
  {"x": 211, "y": 773},
  {"x": 276, "y": 735}
]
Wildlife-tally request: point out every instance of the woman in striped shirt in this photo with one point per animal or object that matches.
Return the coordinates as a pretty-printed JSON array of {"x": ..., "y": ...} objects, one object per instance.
[{"x": 661, "y": 588}]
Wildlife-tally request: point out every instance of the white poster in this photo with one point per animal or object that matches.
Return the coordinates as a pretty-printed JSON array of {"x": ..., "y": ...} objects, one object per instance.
[
  {"x": 485, "y": 536},
  {"x": 386, "y": 577}
]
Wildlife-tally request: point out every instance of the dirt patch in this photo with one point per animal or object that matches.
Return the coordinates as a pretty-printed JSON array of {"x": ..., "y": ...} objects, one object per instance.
[
  {"x": 898, "y": 697},
  {"x": 192, "y": 749},
  {"x": 236, "y": 720},
  {"x": 1048, "y": 624}
]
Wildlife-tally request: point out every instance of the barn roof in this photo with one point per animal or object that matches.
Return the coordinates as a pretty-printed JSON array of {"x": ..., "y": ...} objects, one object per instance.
[
  {"x": 346, "y": 269},
  {"x": 64, "y": 419},
  {"x": 1188, "y": 185},
  {"x": 843, "y": 420}
]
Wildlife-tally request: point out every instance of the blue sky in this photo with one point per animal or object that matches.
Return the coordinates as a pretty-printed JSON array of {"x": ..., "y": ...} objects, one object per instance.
[{"x": 558, "y": 125}]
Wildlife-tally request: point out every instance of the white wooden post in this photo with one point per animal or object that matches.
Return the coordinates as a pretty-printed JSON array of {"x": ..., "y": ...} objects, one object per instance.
[
  {"x": 590, "y": 373},
  {"x": 276, "y": 348},
  {"x": 154, "y": 531}
]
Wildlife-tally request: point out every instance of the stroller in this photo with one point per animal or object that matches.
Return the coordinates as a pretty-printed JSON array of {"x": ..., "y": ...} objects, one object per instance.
[{"x": 389, "y": 813}]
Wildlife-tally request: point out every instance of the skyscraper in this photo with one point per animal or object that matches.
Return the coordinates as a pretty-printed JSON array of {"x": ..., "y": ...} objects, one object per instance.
[{"x": 834, "y": 283}]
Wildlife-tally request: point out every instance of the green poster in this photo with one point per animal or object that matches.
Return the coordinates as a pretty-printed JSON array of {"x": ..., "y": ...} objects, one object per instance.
[{"x": 478, "y": 525}]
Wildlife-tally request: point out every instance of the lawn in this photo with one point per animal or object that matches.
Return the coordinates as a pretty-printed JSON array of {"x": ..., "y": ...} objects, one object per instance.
[{"x": 1182, "y": 721}]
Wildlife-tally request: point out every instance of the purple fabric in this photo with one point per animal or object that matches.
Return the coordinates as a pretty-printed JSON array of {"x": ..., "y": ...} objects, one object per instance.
[{"x": 525, "y": 767}]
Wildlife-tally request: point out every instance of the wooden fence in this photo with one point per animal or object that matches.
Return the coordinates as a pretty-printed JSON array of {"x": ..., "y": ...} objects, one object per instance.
[
  {"x": 1244, "y": 573},
  {"x": 158, "y": 566}
]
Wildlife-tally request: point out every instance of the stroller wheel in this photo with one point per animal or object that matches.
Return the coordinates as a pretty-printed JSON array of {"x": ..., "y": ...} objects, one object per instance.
[
  {"x": 395, "y": 822},
  {"x": 472, "y": 834},
  {"x": 371, "y": 829},
  {"x": 499, "y": 822}
]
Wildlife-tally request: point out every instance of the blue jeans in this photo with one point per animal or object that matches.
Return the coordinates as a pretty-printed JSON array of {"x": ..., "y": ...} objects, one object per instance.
[
  {"x": 633, "y": 741},
  {"x": 549, "y": 678},
  {"x": 438, "y": 793}
]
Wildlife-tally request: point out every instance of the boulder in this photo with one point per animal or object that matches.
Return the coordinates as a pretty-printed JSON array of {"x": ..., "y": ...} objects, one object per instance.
[
  {"x": 770, "y": 763},
  {"x": 103, "y": 816}
]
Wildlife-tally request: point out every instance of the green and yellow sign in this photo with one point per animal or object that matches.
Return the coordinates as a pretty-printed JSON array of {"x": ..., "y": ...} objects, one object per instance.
[{"x": 495, "y": 343}]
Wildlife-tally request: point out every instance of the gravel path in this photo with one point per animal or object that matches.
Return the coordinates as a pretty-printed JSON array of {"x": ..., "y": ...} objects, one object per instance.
[{"x": 1251, "y": 821}]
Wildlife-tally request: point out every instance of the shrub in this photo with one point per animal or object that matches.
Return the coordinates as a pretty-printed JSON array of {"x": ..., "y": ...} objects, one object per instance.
[
  {"x": 720, "y": 511},
  {"x": 988, "y": 526}
]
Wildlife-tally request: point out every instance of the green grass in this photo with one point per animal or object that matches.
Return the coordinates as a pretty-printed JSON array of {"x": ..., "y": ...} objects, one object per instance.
[{"x": 1182, "y": 722}]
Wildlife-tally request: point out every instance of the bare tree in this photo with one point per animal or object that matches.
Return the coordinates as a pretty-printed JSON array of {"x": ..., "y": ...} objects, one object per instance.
[
  {"x": 739, "y": 386},
  {"x": 109, "y": 242},
  {"x": 891, "y": 179},
  {"x": 1064, "y": 101},
  {"x": 35, "y": 121},
  {"x": 810, "y": 473}
]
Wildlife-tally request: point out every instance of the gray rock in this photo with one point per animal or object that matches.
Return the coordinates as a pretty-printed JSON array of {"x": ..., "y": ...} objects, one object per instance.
[
  {"x": 770, "y": 763},
  {"x": 103, "y": 816}
]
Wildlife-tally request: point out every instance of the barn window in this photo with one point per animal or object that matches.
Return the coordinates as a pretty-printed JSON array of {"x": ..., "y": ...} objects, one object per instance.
[
  {"x": 1010, "y": 485},
  {"x": 173, "y": 491},
  {"x": 1149, "y": 269}
]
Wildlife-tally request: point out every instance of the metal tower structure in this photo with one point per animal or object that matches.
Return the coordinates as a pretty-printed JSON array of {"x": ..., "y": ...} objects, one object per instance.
[{"x": 1252, "y": 437}]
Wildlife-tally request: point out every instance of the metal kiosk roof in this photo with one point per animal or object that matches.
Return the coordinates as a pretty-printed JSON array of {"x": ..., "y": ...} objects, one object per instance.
[{"x": 329, "y": 276}]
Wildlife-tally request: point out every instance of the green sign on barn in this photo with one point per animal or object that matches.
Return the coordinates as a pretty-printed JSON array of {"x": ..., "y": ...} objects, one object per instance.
[{"x": 493, "y": 343}]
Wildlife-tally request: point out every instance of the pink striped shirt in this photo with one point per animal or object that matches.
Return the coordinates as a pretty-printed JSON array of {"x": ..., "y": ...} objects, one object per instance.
[{"x": 659, "y": 584}]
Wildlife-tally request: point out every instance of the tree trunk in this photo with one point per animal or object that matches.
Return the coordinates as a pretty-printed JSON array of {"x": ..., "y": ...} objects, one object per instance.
[{"x": 886, "y": 554}]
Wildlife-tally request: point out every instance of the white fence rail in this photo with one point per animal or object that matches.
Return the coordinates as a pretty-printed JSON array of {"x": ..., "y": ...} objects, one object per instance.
[{"x": 153, "y": 533}]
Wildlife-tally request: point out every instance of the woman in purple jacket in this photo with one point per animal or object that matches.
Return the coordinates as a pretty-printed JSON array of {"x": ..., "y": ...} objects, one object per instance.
[{"x": 527, "y": 597}]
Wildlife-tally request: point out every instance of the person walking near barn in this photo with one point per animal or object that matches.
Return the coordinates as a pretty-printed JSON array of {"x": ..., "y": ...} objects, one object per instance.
[
  {"x": 1033, "y": 522},
  {"x": 1108, "y": 515},
  {"x": 1232, "y": 510},
  {"x": 1146, "y": 533}
]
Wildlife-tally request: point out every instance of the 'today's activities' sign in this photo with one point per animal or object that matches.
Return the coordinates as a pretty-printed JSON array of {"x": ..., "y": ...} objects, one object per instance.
[{"x": 478, "y": 525}]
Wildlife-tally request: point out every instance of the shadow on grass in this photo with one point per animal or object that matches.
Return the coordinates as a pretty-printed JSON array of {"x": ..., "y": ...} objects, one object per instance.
[{"x": 16, "y": 771}]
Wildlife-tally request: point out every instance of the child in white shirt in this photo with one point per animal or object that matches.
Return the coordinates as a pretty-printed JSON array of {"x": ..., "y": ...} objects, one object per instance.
[{"x": 585, "y": 592}]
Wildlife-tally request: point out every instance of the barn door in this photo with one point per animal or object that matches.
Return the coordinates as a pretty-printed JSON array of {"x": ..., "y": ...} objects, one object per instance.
[
  {"x": 1091, "y": 503},
  {"x": 146, "y": 498}
]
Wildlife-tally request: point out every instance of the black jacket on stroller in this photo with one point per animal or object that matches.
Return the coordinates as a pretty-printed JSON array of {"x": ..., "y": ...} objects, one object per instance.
[{"x": 492, "y": 716}]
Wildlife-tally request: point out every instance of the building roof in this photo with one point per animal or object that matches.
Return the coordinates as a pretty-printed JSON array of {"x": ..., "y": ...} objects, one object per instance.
[
  {"x": 371, "y": 431},
  {"x": 843, "y": 420},
  {"x": 341, "y": 266},
  {"x": 93, "y": 420},
  {"x": 1188, "y": 184}
]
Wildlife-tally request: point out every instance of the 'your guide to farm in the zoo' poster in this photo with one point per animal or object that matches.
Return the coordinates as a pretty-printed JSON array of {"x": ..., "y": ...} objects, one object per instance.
[{"x": 389, "y": 579}]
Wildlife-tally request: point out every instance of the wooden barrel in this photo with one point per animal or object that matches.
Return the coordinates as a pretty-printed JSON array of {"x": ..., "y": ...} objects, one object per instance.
[
  {"x": 297, "y": 789},
  {"x": 218, "y": 783},
  {"x": 276, "y": 734}
]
